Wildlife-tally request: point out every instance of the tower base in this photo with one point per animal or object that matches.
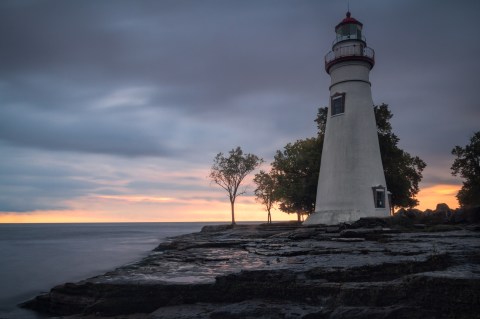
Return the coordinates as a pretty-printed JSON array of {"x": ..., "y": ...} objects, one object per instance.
[{"x": 333, "y": 217}]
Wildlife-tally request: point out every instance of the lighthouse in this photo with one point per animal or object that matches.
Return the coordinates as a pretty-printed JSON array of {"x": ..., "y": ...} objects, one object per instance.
[{"x": 351, "y": 183}]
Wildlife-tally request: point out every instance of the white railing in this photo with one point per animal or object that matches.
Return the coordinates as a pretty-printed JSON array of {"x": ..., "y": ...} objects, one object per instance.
[{"x": 354, "y": 50}]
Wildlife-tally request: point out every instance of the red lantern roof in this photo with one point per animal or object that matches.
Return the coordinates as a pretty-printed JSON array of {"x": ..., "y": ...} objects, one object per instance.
[{"x": 348, "y": 20}]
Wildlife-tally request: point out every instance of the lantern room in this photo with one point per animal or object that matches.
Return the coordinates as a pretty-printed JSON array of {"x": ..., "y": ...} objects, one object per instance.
[
  {"x": 349, "y": 29},
  {"x": 349, "y": 44}
]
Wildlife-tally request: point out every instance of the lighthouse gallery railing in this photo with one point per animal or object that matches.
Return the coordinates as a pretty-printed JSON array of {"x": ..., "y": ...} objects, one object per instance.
[{"x": 355, "y": 51}]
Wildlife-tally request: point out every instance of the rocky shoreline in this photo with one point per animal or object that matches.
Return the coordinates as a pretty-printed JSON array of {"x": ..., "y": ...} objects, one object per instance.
[{"x": 374, "y": 268}]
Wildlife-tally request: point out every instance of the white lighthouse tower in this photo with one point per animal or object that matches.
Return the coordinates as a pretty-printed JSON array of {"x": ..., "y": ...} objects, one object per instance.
[{"x": 351, "y": 184}]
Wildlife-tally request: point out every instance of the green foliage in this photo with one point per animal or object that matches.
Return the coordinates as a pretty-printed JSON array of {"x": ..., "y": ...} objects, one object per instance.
[
  {"x": 265, "y": 191},
  {"x": 296, "y": 170},
  {"x": 229, "y": 172},
  {"x": 467, "y": 165},
  {"x": 403, "y": 172},
  {"x": 321, "y": 120}
]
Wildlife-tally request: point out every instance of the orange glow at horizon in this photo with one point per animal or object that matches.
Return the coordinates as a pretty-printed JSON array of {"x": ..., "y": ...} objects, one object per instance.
[
  {"x": 148, "y": 208},
  {"x": 67, "y": 216},
  {"x": 429, "y": 197}
]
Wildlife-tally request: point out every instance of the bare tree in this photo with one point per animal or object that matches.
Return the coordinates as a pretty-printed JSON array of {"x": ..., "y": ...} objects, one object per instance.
[{"x": 229, "y": 172}]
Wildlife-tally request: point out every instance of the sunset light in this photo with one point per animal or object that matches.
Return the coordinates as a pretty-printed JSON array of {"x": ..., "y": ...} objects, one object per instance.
[
  {"x": 430, "y": 196},
  {"x": 138, "y": 208},
  {"x": 120, "y": 121},
  {"x": 104, "y": 209},
  {"x": 148, "y": 146}
]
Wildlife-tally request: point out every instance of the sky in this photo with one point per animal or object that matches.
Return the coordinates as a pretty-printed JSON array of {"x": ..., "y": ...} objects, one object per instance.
[{"x": 112, "y": 111}]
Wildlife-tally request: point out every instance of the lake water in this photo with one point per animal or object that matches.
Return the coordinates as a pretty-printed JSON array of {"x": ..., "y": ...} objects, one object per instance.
[{"x": 36, "y": 257}]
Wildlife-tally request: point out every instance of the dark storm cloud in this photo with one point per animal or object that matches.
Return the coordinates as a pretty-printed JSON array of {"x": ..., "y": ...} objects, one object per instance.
[
  {"x": 76, "y": 132},
  {"x": 431, "y": 180},
  {"x": 199, "y": 57},
  {"x": 425, "y": 71},
  {"x": 185, "y": 80},
  {"x": 180, "y": 185},
  {"x": 39, "y": 193},
  {"x": 206, "y": 52},
  {"x": 28, "y": 184}
]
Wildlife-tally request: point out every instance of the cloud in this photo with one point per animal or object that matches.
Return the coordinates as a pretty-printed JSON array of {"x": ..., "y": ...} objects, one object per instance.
[
  {"x": 116, "y": 86},
  {"x": 76, "y": 131},
  {"x": 175, "y": 184},
  {"x": 29, "y": 186},
  {"x": 33, "y": 180}
]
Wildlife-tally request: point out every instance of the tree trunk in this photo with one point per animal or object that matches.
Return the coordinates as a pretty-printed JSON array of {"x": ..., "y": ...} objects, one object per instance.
[
  {"x": 232, "y": 204},
  {"x": 299, "y": 217},
  {"x": 269, "y": 217}
]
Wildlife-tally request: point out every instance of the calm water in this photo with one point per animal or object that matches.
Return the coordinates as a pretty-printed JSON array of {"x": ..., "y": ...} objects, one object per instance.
[{"x": 36, "y": 257}]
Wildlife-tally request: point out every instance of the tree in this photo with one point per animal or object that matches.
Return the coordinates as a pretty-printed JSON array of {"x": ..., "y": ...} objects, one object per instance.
[
  {"x": 229, "y": 172},
  {"x": 321, "y": 121},
  {"x": 265, "y": 191},
  {"x": 467, "y": 165},
  {"x": 297, "y": 167},
  {"x": 403, "y": 172},
  {"x": 296, "y": 170}
]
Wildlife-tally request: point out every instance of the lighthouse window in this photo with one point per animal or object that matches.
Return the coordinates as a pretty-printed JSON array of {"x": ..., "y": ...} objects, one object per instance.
[
  {"x": 379, "y": 196},
  {"x": 343, "y": 30},
  {"x": 359, "y": 33},
  {"x": 349, "y": 31},
  {"x": 338, "y": 104}
]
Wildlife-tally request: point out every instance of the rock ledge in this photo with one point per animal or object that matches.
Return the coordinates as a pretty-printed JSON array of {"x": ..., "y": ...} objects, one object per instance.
[{"x": 369, "y": 269}]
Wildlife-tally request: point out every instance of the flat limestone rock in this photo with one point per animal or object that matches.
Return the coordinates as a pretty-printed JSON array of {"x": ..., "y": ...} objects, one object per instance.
[
  {"x": 363, "y": 270},
  {"x": 348, "y": 239}
]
